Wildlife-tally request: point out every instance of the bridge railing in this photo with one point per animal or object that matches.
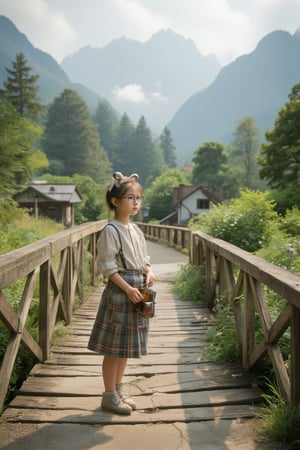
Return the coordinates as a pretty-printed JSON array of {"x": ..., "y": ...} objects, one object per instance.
[
  {"x": 231, "y": 275},
  {"x": 241, "y": 279},
  {"x": 51, "y": 270},
  {"x": 178, "y": 237}
]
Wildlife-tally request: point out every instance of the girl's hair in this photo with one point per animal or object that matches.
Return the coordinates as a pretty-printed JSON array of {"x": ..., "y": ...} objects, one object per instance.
[{"x": 120, "y": 187}]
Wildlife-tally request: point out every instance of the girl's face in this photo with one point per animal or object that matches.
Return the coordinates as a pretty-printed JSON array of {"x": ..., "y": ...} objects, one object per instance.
[{"x": 130, "y": 203}]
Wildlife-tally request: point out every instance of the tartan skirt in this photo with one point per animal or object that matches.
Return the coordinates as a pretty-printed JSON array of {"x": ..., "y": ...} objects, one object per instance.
[{"x": 119, "y": 331}]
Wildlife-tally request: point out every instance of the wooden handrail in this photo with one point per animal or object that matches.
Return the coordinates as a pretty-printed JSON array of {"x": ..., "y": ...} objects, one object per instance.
[
  {"x": 51, "y": 269},
  {"x": 239, "y": 279}
]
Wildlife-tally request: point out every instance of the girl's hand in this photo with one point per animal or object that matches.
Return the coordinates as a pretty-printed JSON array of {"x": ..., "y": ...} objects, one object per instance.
[
  {"x": 150, "y": 278},
  {"x": 134, "y": 294}
]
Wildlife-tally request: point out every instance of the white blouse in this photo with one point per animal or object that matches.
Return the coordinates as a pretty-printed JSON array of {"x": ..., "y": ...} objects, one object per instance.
[{"x": 134, "y": 248}]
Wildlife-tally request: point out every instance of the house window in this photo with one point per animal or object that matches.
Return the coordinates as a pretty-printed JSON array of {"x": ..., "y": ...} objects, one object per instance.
[{"x": 202, "y": 203}]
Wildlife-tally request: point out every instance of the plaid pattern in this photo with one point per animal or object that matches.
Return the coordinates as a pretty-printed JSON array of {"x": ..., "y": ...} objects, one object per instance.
[{"x": 119, "y": 331}]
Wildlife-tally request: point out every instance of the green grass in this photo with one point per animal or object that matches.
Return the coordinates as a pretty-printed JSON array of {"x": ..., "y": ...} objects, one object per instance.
[
  {"x": 277, "y": 417},
  {"x": 189, "y": 284}
]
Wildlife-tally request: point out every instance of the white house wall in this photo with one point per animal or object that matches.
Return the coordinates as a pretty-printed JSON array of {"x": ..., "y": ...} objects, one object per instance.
[{"x": 188, "y": 207}]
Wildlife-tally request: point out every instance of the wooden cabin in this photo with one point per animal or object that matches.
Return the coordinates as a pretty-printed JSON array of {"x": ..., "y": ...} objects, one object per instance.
[{"x": 53, "y": 200}]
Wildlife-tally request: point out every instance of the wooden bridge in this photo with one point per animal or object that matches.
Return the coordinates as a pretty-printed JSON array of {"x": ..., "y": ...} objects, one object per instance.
[{"x": 173, "y": 383}]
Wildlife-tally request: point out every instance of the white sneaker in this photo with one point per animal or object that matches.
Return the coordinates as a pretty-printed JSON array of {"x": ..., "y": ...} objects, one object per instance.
[
  {"x": 125, "y": 397},
  {"x": 112, "y": 402}
]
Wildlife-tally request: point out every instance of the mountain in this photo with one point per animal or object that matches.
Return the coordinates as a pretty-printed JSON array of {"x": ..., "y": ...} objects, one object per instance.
[
  {"x": 255, "y": 85},
  {"x": 52, "y": 78},
  {"x": 151, "y": 79}
]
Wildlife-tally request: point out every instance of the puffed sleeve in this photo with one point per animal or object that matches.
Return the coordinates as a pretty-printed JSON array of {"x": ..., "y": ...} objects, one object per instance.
[{"x": 108, "y": 247}]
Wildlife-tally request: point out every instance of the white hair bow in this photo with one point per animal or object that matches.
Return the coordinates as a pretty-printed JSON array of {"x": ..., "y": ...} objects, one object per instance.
[{"x": 119, "y": 177}]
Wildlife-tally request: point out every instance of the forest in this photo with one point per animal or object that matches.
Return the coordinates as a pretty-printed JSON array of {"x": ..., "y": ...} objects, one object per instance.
[{"x": 66, "y": 142}]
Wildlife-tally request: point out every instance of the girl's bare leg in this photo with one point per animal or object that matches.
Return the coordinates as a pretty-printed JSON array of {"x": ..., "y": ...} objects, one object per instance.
[
  {"x": 122, "y": 362},
  {"x": 109, "y": 373}
]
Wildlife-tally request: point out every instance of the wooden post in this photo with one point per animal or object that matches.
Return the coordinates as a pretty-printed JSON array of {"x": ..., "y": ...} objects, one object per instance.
[
  {"x": 66, "y": 285},
  {"x": 295, "y": 356},
  {"x": 44, "y": 313},
  {"x": 93, "y": 251},
  {"x": 249, "y": 323}
]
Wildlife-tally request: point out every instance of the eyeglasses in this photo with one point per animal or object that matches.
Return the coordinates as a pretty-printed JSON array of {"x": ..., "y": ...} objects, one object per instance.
[{"x": 134, "y": 198}]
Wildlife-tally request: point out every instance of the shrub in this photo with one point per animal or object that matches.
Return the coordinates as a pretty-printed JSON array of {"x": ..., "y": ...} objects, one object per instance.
[
  {"x": 189, "y": 283},
  {"x": 290, "y": 223},
  {"x": 246, "y": 222},
  {"x": 283, "y": 251}
]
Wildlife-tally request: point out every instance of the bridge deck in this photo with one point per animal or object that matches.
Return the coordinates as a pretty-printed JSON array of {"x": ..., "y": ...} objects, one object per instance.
[{"x": 172, "y": 384}]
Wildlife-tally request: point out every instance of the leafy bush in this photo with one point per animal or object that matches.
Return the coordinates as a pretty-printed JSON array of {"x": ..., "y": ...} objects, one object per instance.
[
  {"x": 290, "y": 223},
  {"x": 189, "y": 283},
  {"x": 283, "y": 251},
  {"x": 246, "y": 222}
]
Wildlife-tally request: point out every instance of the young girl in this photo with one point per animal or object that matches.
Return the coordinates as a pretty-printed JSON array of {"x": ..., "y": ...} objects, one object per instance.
[{"x": 119, "y": 332}]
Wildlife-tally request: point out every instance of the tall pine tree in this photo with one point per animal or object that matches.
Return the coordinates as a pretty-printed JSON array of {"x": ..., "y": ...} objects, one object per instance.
[
  {"x": 167, "y": 145},
  {"x": 71, "y": 139},
  {"x": 123, "y": 160},
  {"x": 18, "y": 158},
  {"x": 107, "y": 122},
  {"x": 147, "y": 158},
  {"x": 21, "y": 89}
]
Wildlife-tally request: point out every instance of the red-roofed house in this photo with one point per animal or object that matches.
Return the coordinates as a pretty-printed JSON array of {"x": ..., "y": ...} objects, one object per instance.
[{"x": 193, "y": 200}]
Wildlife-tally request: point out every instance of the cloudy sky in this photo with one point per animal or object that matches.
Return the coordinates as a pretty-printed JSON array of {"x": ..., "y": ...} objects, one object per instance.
[{"x": 226, "y": 28}]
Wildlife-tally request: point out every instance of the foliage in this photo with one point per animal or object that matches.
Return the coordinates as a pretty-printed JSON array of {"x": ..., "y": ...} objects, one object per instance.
[
  {"x": 290, "y": 223},
  {"x": 158, "y": 196},
  {"x": 122, "y": 160},
  {"x": 21, "y": 89},
  {"x": 284, "y": 199},
  {"x": 166, "y": 143},
  {"x": 189, "y": 283},
  {"x": 71, "y": 137},
  {"x": 244, "y": 151},
  {"x": 18, "y": 158},
  {"x": 284, "y": 251},
  {"x": 245, "y": 221},
  {"x": 147, "y": 158},
  {"x": 18, "y": 229},
  {"x": 222, "y": 337},
  {"x": 107, "y": 122},
  {"x": 207, "y": 162},
  {"x": 280, "y": 156},
  {"x": 210, "y": 167},
  {"x": 277, "y": 417}
]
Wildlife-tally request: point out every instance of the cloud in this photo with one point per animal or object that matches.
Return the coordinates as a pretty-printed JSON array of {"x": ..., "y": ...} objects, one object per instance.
[
  {"x": 135, "y": 93},
  {"x": 132, "y": 93}
]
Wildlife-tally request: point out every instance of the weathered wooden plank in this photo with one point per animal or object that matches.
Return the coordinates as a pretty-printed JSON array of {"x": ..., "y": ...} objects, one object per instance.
[
  {"x": 151, "y": 416},
  {"x": 40, "y": 370},
  {"x": 161, "y": 401},
  {"x": 92, "y": 358},
  {"x": 157, "y": 383}
]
